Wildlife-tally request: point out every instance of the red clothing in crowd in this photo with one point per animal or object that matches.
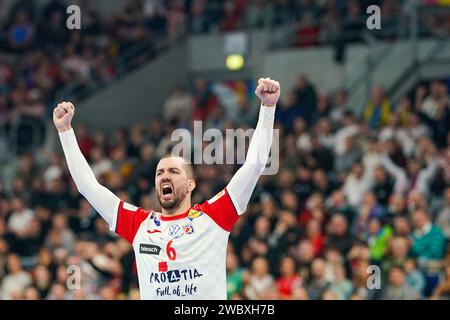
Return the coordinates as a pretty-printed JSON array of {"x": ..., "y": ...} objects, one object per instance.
[{"x": 287, "y": 284}]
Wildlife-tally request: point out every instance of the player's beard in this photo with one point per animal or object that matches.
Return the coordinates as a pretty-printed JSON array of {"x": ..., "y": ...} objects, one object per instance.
[{"x": 174, "y": 203}]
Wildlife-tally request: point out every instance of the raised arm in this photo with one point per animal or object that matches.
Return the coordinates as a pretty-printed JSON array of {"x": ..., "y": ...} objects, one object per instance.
[
  {"x": 103, "y": 200},
  {"x": 243, "y": 183},
  {"x": 401, "y": 180},
  {"x": 426, "y": 176}
]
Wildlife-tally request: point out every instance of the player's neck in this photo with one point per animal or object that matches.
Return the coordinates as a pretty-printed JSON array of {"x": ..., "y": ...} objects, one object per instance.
[{"x": 183, "y": 208}]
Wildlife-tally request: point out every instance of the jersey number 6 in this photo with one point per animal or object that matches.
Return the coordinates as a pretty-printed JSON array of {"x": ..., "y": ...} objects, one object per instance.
[{"x": 171, "y": 253}]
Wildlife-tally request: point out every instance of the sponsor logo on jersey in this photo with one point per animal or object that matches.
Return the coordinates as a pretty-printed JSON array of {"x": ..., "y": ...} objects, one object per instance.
[
  {"x": 175, "y": 231},
  {"x": 149, "y": 249},
  {"x": 194, "y": 214},
  {"x": 156, "y": 221},
  {"x": 216, "y": 197},
  {"x": 188, "y": 228},
  {"x": 173, "y": 276},
  {"x": 153, "y": 231}
]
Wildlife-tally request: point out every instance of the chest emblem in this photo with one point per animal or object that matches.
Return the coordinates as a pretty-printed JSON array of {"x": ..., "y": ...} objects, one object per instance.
[
  {"x": 155, "y": 220},
  {"x": 188, "y": 228},
  {"x": 194, "y": 214},
  {"x": 175, "y": 231}
]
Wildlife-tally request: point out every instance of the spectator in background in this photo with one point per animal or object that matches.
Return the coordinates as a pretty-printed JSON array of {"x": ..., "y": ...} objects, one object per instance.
[
  {"x": 200, "y": 21},
  {"x": 443, "y": 215},
  {"x": 31, "y": 293},
  {"x": 378, "y": 109},
  {"x": 428, "y": 240},
  {"x": 22, "y": 32},
  {"x": 204, "y": 100},
  {"x": 398, "y": 288},
  {"x": 358, "y": 181},
  {"x": 289, "y": 278},
  {"x": 404, "y": 111},
  {"x": 15, "y": 282},
  {"x": 178, "y": 107},
  {"x": 176, "y": 21},
  {"x": 306, "y": 97},
  {"x": 397, "y": 256},
  {"x": 352, "y": 154},
  {"x": 282, "y": 11},
  {"x": 52, "y": 7},
  {"x": 20, "y": 217},
  {"x": 315, "y": 235},
  {"x": 232, "y": 19},
  {"x": 340, "y": 285},
  {"x": 377, "y": 237},
  {"x": 338, "y": 235},
  {"x": 289, "y": 111},
  {"x": 354, "y": 23},
  {"x": 57, "y": 292},
  {"x": 258, "y": 242},
  {"x": 309, "y": 31},
  {"x": 317, "y": 283},
  {"x": 235, "y": 277},
  {"x": 434, "y": 110},
  {"x": 6, "y": 239},
  {"x": 442, "y": 291},
  {"x": 257, "y": 13},
  {"x": 283, "y": 238},
  {"x": 305, "y": 257},
  {"x": 60, "y": 235},
  {"x": 414, "y": 278},
  {"x": 314, "y": 210},
  {"x": 339, "y": 107},
  {"x": 429, "y": 105},
  {"x": 259, "y": 281}
]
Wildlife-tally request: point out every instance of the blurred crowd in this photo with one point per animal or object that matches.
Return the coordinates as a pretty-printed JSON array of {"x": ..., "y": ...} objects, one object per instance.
[
  {"x": 352, "y": 194},
  {"x": 41, "y": 60}
]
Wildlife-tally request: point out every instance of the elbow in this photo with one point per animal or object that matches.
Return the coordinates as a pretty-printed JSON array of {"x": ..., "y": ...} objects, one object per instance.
[{"x": 84, "y": 187}]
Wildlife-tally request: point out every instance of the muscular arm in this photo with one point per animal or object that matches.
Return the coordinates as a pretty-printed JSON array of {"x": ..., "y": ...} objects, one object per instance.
[{"x": 241, "y": 186}]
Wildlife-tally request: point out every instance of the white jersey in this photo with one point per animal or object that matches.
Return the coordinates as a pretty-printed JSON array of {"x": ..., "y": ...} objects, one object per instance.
[{"x": 182, "y": 256}]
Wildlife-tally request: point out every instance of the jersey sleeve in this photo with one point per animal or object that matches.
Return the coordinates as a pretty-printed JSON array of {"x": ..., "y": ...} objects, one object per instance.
[
  {"x": 129, "y": 219},
  {"x": 221, "y": 210},
  {"x": 241, "y": 186}
]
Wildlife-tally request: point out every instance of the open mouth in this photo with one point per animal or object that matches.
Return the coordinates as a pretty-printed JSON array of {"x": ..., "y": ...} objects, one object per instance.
[{"x": 166, "y": 189}]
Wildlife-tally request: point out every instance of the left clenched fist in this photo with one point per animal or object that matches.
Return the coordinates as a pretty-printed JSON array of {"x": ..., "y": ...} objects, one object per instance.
[{"x": 268, "y": 91}]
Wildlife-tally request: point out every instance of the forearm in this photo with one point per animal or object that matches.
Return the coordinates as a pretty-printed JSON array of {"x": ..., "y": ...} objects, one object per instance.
[
  {"x": 401, "y": 181},
  {"x": 425, "y": 177},
  {"x": 103, "y": 200},
  {"x": 244, "y": 181}
]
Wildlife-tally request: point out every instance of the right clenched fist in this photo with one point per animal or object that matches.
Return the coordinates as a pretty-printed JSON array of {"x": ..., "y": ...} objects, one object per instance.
[{"x": 62, "y": 116}]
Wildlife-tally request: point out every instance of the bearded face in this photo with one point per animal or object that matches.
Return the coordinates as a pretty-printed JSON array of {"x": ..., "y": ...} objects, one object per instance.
[
  {"x": 173, "y": 183},
  {"x": 169, "y": 196}
]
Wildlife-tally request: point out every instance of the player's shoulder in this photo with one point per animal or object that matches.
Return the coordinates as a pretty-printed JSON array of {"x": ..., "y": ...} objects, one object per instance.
[
  {"x": 220, "y": 209},
  {"x": 132, "y": 208},
  {"x": 135, "y": 213}
]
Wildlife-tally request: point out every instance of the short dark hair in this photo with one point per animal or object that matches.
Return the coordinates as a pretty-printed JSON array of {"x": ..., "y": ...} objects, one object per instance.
[{"x": 187, "y": 165}]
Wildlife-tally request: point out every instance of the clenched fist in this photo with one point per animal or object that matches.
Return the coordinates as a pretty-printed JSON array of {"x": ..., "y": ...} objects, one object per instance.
[
  {"x": 62, "y": 116},
  {"x": 268, "y": 91}
]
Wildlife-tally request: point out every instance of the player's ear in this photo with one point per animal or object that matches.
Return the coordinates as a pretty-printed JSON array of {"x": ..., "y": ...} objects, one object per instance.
[{"x": 191, "y": 185}]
